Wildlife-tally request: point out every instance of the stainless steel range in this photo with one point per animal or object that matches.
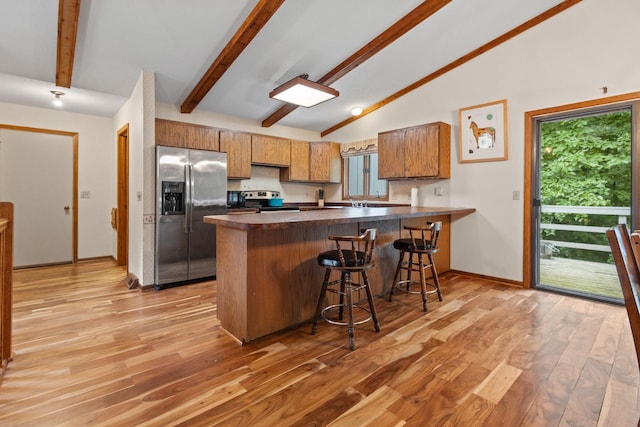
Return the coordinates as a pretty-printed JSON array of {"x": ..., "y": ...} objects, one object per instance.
[{"x": 266, "y": 201}]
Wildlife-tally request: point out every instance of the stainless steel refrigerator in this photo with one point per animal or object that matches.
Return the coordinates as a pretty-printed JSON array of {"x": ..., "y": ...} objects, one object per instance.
[{"x": 189, "y": 185}]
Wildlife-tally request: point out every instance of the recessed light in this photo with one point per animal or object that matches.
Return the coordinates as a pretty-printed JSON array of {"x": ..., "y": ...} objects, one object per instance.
[{"x": 356, "y": 111}]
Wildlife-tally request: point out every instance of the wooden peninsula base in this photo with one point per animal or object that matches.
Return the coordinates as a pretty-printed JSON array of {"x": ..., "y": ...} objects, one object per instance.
[{"x": 268, "y": 278}]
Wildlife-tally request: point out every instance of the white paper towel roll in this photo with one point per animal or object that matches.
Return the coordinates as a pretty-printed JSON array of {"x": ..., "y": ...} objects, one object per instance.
[{"x": 414, "y": 196}]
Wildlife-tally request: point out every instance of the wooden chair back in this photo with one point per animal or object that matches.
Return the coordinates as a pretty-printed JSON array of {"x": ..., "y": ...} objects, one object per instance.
[
  {"x": 429, "y": 235},
  {"x": 626, "y": 256},
  {"x": 358, "y": 250}
]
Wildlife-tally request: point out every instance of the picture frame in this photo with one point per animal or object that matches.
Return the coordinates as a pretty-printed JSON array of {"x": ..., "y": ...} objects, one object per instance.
[{"x": 482, "y": 132}]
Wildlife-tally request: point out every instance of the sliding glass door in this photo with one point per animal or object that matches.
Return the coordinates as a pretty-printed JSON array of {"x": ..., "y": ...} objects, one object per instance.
[{"x": 584, "y": 185}]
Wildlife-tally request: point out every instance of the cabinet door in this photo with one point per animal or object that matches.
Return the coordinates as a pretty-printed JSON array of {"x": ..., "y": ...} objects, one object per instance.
[
  {"x": 325, "y": 161},
  {"x": 270, "y": 150},
  {"x": 237, "y": 145},
  {"x": 170, "y": 134},
  {"x": 202, "y": 138},
  {"x": 299, "y": 169},
  {"x": 391, "y": 154},
  {"x": 422, "y": 151},
  {"x": 186, "y": 135}
]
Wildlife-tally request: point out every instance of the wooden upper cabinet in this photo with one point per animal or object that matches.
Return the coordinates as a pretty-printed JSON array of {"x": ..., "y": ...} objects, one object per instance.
[
  {"x": 237, "y": 145},
  {"x": 186, "y": 135},
  {"x": 270, "y": 150},
  {"x": 416, "y": 152},
  {"x": 324, "y": 158},
  {"x": 391, "y": 154},
  {"x": 299, "y": 168},
  {"x": 313, "y": 162}
]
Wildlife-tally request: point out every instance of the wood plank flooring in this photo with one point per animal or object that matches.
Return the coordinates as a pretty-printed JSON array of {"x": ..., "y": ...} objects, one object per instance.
[{"x": 89, "y": 352}]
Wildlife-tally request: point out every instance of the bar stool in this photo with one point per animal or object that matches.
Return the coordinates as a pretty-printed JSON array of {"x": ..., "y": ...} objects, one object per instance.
[
  {"x": 356, "y": 259},
  {"x": 422, "y": 241}
]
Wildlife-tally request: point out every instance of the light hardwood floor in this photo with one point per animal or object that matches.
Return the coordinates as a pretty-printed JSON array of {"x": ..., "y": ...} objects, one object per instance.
[{"x": 89, "y": 352}]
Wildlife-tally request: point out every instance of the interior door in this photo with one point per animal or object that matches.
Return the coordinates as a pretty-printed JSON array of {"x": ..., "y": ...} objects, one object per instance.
[{"x": 36, "y": 174}]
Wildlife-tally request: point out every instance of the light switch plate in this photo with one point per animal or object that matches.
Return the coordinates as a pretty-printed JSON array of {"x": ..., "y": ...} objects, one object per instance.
[{"x": 85, "y": 194}]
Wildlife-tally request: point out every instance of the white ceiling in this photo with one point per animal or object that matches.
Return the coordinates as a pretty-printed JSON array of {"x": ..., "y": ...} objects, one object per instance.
[{"x": 179, "y": 40}]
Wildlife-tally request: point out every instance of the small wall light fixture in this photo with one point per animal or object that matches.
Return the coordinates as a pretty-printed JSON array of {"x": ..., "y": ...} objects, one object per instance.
[
  {"x": 303, "y": 92},
  {"x": 356, "y": 111},
  {"x": 57, "y": 101}
]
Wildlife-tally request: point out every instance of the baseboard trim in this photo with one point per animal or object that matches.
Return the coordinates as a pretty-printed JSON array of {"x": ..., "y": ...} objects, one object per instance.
[
  {"x": 146, "y": 287},
  {"x": 508, "y": 282}
]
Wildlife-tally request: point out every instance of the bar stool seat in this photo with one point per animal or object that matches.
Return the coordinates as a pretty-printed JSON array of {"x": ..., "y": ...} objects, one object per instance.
[
  {"x": 421, "y": 241},
  {"x": 356, "y": 259}
]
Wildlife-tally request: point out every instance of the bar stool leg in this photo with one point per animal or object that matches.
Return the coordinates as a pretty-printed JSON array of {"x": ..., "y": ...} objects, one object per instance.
[
  {"x": 372, "y": 307},
  {"x": 396, "y": 276},
  {"x": 344, "y": 279},
  {"x": 434, "y": 273},
  {"x": 350, "y": 326},
  {"x": 409, "y": 270},
  {"x": 323, "y": 292},
  {"x": 423, "y": 282}
]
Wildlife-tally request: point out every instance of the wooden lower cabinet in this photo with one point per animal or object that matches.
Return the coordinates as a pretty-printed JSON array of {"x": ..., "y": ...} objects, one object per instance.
[{"x": 237, "y": 145}]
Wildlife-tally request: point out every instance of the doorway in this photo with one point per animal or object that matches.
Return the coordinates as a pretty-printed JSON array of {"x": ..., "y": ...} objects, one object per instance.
[
  {"x": 122, "y": 222},
  {"x": 581, "y": 183},
  {"x": 38, "y": 173}
]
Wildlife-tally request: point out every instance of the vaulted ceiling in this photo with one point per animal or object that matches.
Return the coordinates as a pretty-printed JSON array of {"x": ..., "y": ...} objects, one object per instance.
[{"x": 225, "y": 56}]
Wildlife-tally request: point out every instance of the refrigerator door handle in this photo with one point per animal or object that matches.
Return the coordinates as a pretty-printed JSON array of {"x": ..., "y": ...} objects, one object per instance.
[{"x": 188, "y": 213}]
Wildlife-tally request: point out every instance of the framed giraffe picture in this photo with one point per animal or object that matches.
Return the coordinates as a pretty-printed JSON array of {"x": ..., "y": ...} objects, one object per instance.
[{"x": 482, "y": 133}]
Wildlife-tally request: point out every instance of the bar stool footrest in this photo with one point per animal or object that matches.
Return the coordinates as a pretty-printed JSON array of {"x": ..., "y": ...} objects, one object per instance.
[
  {"x": 401, "y": 285},
  {"x": 345, "y": 308}
]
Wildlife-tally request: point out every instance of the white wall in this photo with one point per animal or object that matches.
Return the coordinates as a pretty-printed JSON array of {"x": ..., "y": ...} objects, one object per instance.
[
  {"x": 138, "y": 112},
  {"x": 563, "y": 60},
  {"x": 96, "y": 169}
]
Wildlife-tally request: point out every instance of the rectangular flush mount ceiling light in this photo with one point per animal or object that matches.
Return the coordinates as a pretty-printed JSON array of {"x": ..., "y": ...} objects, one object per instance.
[{"x": 303, "y": 92}]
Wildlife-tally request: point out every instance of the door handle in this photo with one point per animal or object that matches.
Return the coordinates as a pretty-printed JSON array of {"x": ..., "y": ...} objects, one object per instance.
[{"x": 67, "y": 209}]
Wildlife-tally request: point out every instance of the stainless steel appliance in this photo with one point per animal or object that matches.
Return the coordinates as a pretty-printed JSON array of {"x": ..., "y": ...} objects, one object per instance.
[
  {"x": 263, "y": 200},
  {"x": 189, "y": 185},
  {"x": 235, "y": 199}
]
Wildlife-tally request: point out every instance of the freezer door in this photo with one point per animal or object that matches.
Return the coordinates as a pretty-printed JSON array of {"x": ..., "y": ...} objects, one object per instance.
[
  {"x": 171, "y": 250},
  {"x": 171, "y": 238},
  {"x": 208, "y": 197}
]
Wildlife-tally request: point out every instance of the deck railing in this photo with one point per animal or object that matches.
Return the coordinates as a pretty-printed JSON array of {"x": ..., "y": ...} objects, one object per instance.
[{"x": 623, "y": 214}]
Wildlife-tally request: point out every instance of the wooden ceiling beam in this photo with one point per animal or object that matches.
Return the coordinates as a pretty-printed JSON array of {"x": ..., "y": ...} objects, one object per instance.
[
  {"x": 68, "y": 15},
  {"x": 549, "y": 13},
  {"x": 259, "y": 16},
  {"x": 391, "y": 34}
]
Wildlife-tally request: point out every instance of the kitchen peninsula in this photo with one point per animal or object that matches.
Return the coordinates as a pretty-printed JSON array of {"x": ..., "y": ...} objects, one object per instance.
[{"x": 268, "y": 278}]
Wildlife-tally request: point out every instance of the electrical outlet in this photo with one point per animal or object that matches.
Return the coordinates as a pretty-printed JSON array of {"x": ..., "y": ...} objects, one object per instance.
[
  {"x": 439, "y": 191},
  {"x": 85, "y": 194},
  {"x": 148, "y": 219},
  {"x": 516, "y": 195}
]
